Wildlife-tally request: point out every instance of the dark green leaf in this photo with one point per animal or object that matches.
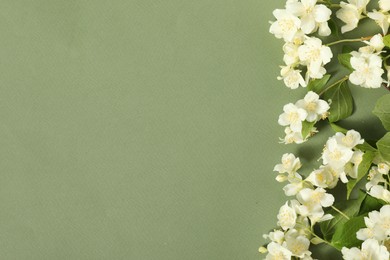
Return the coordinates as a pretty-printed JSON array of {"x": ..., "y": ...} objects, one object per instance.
[
  {"x": 384, "y": 147},
  {"x": 382, "y": 110},
  {"x": 341, "y": 102},
  {"x": 317, "y": 85},
  {"x": 370, "y": 203},
  {"x": 363, "y": 168},
  {"x": 345, "y": 235},
  {"x": 345, "y": 60},
  {"x": 386, "y": 40},
  {"x": 349, "y": 208},
  {"x": 306, "y": 128}
]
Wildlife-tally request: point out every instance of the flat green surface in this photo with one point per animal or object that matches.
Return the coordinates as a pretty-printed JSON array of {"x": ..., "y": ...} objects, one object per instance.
[{"x": 141, "y": 129}]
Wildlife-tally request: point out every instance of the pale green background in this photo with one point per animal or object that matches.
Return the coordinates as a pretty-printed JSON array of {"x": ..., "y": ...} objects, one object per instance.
[{"x": 139, "y": 129}]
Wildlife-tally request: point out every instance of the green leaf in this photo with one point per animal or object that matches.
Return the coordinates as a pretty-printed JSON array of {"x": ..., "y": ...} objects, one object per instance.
[
  {"x": 384, "y": 147},
  {"x": 306, "y": 128},
  {"x": 350, "y": 208},
  {"x": 366, "y": 147},
  {"x": 382, "y": 110},
  {"x": 338, "y": 128},
  {"x": 317, "y": 85},
  {"x": 345, "y": 60},
  {"x": 386, "y": 40},
  {"x": 370, "y": 203},
  {"x": 345, "y": 235},
  {"x": 363, "y": 168},
  {"x": 342, "y": 102}
]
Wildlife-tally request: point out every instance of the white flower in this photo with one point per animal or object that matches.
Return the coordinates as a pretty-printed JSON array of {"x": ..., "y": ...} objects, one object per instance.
[
  {"x": 292, "y": 137},
  {"x": 381, "y": 19},
  {"x": 324, "y": 177},
  {"x": 286, "y": 25},
  {"x": 375, "y": 176},
  {"x": 336, "y": 155},
  {"x": 350, "y": 15},
  {"x": 275, "y": 236},
  {"x": 378, "y": 225},
  {"x": 312, "y": 15},
  {"x": 360, "y": 4},
  {"x": 379, "y": 192},
  {"x": 290, "y": 53},
  {"x": 351, "y": 168},
  {"x": 350, "y": 139},
  {"x": 290, "y": 164},
  {"x": 371, "y": 250},
  {"x": 277, "y": 252},
  {"x": 384, "y": 5},
  {"x": 314, "y": 55},
  {"x": 312, "y": 198},
  {"x": 314, "y": 106},
  {"x": 374, "y": 45},
  {"x": 367, "y": 70},
  {"x": 287, "y": 217},
  {"x": 292, "y": 116},
  {"x": 292, "y": 78},
  {"x": 297, "y": 244}
]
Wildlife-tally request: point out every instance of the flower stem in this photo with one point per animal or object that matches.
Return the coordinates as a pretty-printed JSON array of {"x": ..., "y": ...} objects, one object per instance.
[
  {"x": 322, "y": 240},
  {"x": 341, "y": 213},
  {"x": 334, "y": 84},
  {"x": 349, "y": 40}
]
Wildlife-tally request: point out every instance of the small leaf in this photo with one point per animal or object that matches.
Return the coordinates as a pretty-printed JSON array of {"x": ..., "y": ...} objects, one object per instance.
[
  {"x": 382, "y": 110},
  {"x": 370, "y": 203},
  {"x": 384, "y": 147},
  {"x": 345, "y": 235},
  {"x": 306, "y": 128},
  {"x": 345, "y": 60},
  {"x": 363, "y": 168},
  {"x": 350, "y": 208},
  {"x": 386, "y": 40},
  {"x": 366, "y": 147},
  {"x": 341, "y": 102},
  {"x": 338, "y": 128},
  {"x": 317, "y": 85}
]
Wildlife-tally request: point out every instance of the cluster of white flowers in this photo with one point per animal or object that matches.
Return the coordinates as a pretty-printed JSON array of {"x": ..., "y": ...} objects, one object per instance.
[
  {"x": 367, "y": 64},
  {"x": 377, "y": 182},
  {"x": 305, "y": 58},
  {"x": 376, "y": 237},
  {"x": 340, "y": 159},
  {"x": 293, "y": 24},
  {"x": 311, "y": 109}
]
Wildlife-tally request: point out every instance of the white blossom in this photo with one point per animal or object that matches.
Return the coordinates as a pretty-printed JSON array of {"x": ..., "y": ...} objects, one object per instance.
[
  {"x": 297, "y": 244},
  {"x": 286, "y": 217},
  {"x": 277, "y": 252},
  {"x": 314, "y": 106},
  {"x": 384, "y": 5},
  {"x": 312, "y": 16},
  {"x": 285, "y": 26},
  {"x": 324, "y": 177},
  {"x": 349, "y": 140},
  {"x": 367, "y": 70},
  {"x": 350, "y": 15},
  {"x": 290, "y": 53},
  {"x": 375, "y": 176},
  {"x": 290, "y": 164},
  {"x": 291, "y": 77},
  {"x": 337, "y": 156},
  {"x": 293, "y": 117},
  {"x": 371, "y": 250},
  {"x": 375, "y": 45},
  {"x": 275, "y": 236},
  {"x": 381, "y": 19},
  {"x": 292, "y": 137},
  {"x": 379, "y": 192},
  {"x": 314, "y": 55},
  {"x": 377, "y": 225}
]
